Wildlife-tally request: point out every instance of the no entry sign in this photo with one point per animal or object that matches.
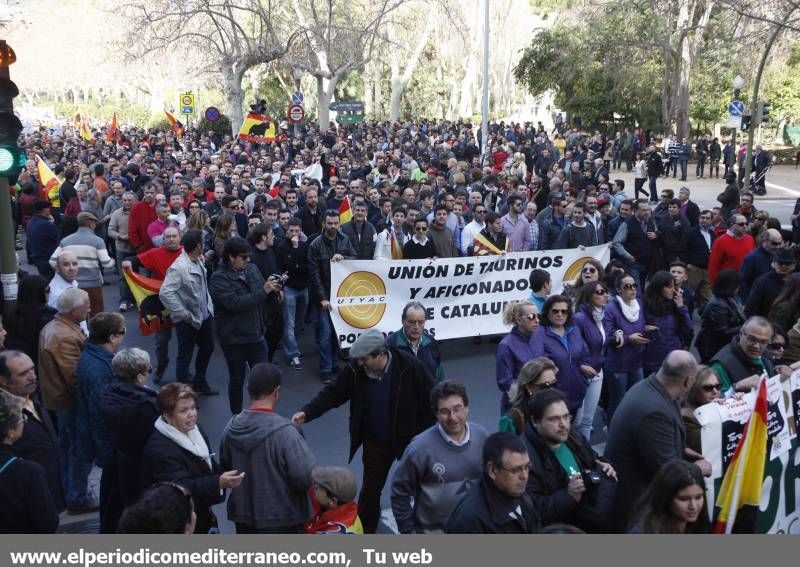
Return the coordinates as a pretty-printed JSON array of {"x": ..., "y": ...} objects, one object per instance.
[{"x": 296, "y": 113}]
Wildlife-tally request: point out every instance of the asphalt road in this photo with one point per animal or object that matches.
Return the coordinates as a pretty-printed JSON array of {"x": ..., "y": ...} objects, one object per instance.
[{"x": 472, "y": 364}]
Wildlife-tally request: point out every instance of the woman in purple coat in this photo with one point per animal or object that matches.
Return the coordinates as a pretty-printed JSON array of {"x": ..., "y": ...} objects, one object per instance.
[
  {"x": 664, "y": 310},
  {"x": 516, "y": 348},
  {"x": 624, "y": 324},
  {"x": 561, "y": 341},
  {"x": 589, "y": 310}
]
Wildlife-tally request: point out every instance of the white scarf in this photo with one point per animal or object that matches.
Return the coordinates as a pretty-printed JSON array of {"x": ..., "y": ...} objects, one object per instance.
[
  {"x": 192, "y": 441},
  {"x": 630, "y": 312}
]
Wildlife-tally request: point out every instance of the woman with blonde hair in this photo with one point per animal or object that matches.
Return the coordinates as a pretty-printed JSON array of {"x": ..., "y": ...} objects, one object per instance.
[
  {"x": 536, "y": 375},
  {"x": 516, "y": 347}
]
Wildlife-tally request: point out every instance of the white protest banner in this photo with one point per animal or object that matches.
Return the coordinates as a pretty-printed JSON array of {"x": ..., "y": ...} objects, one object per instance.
[
  {"x": 463, "y": 297},
  {"x": 722, "y": 427}
]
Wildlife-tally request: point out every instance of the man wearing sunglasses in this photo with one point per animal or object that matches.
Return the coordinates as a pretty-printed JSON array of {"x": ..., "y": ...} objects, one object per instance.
[
  {"x": 767, "y": 286},
  {"x": 741, "y": 363},
  {"x": 759, "y": 261},
  {"x": 729, "y": 250}
]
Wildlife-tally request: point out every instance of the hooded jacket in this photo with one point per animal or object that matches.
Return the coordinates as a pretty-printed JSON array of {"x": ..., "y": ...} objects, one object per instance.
[{"x": 278, "y": 464}]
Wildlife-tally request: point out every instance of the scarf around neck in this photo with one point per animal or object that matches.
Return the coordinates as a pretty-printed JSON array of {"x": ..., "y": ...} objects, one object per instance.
[
  {"x": 630, "y": 312},
  {"x": 192, "y": 441}
]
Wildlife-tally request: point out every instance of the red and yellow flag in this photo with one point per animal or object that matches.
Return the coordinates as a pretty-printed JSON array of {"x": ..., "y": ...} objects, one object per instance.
[
  {"x": 741, "y": 485},
  {"x": 177, "y": 125},
  {"x": 48, "y": 182},
  {"x": 345, "y": 211},
  {"x": 86, "y": 132},
  {"x": 153, "y": 316},
  {"x": 113, "y": 131},
  {"x": 482, "y": 246},
  {"x": 257, "y": 128}
]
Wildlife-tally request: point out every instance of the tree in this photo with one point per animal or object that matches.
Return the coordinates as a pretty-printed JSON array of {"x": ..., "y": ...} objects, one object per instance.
[
  {"x": 236, "y": 35},
  {"x": 399, "y": 51}
]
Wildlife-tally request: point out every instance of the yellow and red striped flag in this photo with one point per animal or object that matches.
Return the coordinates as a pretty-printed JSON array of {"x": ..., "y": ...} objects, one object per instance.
[
  {"x": 741, "y": 485},
  {"x": 113, "y": 131},
  {"x": 153, "y": 316},
  {"x": 345, "y": 211},
  {"x": 47, "y": 179},
  {"x": 86, "y": 132},
  {"x": 482, "y": 246},
  {"x": 397, "y": 247},
  {"x": 177, "y": 125}
]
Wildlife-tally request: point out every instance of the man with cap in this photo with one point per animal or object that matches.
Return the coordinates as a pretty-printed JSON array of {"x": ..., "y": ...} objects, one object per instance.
[
  {"x": 334, "y": 502},
  {"x": 767, "y": 286},
  {"x": 92, "y": 257},
  {"x": 389, "y": 393},
  {"x": 42, "y": 238}
]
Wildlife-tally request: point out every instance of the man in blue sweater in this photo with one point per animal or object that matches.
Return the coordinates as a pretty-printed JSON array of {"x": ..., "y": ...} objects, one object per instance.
[{"x": 42, "y": 238}]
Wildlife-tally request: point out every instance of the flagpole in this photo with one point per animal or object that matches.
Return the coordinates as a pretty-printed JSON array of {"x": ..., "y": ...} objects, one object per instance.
[{"x": 737, "y": 486}]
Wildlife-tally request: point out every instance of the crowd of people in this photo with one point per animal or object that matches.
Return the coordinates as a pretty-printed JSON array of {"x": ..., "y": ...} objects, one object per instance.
[{"x": 241, "y": 238}]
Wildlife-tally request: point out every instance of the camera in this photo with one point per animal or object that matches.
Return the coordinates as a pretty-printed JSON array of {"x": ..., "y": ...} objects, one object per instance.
[
  {"x": 280, "y": 278},
  {"x": 590, "y": 477}
]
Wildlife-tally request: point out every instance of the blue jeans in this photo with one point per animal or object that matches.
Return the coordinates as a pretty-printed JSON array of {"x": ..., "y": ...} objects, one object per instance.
[
  {"x": 188, "y": 337},
  {"x": 295, "y": 303},
  {"x": 124, "y": 292},
  {"x": 684, "y": 165},
  {"x": 238, "y": 357},
  {"x": 325, "y": 340},
  {"x": 652, "y": 186},
  {"x": 74, "y": 472},
  {"x": 618, "y": 385},
  {"x": 584, "y": 419}
]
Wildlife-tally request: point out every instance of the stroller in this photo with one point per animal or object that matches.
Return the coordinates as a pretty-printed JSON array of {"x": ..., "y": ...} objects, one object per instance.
[{"x": 758, "y": 181}]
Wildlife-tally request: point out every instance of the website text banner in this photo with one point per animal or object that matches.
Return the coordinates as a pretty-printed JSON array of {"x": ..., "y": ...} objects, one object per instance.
[
  {"x": 463, "y": 297},
  {"x": 723, "y": 426}
]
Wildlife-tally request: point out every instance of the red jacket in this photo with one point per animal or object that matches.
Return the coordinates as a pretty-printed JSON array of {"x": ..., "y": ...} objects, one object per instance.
[
  {"x": 158, "y": 260},
  {"x": 727, "y": 253},
  {"x": 140, "y": 218}
]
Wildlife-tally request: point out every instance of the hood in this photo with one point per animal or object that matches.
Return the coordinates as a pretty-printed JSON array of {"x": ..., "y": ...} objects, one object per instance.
[
  {"x": 249, "y": 429},
  {"x": 120, "y": 400}
]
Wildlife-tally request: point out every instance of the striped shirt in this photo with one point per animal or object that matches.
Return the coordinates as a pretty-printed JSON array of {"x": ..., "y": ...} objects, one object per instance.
[{"x": 92, "y": 255}]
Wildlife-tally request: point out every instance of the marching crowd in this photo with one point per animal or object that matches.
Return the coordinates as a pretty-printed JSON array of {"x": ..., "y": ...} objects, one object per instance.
[{"x": 241, "y": 238}]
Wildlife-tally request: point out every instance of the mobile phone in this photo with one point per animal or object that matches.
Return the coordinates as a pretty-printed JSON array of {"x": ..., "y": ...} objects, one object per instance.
[{"x": 651, "y": 334}]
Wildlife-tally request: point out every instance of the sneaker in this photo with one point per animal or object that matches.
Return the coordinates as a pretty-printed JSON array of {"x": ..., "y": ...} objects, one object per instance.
[
  {"x": 205, "y": 389},
  {"x": 123, "y": 307},
  {"x": 295, "y": 363}
]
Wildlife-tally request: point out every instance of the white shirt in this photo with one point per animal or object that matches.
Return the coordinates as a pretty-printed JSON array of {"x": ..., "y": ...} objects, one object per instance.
[{"x": 469, "y": 233}]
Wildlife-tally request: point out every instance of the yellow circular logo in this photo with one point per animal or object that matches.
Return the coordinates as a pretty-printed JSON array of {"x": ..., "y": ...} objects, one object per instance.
[
  {"x": 361, "y": 300},
  {"x": 188, "y": 100},
  {"x": 574, "y": 269}
]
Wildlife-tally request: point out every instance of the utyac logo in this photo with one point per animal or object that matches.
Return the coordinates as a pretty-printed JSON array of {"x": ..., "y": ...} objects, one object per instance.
[
  {"x": 574, "y": 269},
  {"x": 361, "y": 300}
]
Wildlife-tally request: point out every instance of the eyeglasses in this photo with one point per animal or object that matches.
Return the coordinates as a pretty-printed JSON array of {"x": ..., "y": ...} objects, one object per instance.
[
  {"x": 601, "y": 292},
  {"x": 779, "y": 243},
  {"x": 481, "y": 212},
  {"x": 421, "y": 228},
  {"x": 739, "y": 224},
  {"x": 531, "y": 316},
  {"x": 777, "y": 346},
  {"x": 712, "y": 387},
  {"x": 447, "y": 412},
  {"x": 243, "y": 256},
  {"x": 629, "y": 286},
  {"x": 755, "y": 340},
  {"x": 122, "y": 332},
  {"x": 416, "y": 322},
  {"x": 589, "y": 270},
  {"x": 559, "y": 311},
  {"x": 546, "y": 385},
  {"x": 521, "y": 469}
]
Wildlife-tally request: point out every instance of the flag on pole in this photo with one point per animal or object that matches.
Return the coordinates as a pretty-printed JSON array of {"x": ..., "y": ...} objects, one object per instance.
[
  {"x": 397, "y": 248},
  {"x": 86, "y": 132},
  {"x": 177, "y": 126},
  {"x": 153, "y": 316},
  {"x": 258, "y": 128},
  {"x": 345, "y": 211},
  {"x": 740, "y": 494},
  {"x": 113, "y": 132},
  {"x": 48, "y": 182},
  {"x": 482, "y": 246}
]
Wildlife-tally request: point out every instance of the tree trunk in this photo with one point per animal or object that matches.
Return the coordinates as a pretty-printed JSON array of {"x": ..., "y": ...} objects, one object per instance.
[
  {"x": 377, "y": 78},
  {"x": 400, "y": 79},
  {"x": 325, "y": 90},
  {"x": 369, "y": 108},
  {"x": 234, "y": 97}
]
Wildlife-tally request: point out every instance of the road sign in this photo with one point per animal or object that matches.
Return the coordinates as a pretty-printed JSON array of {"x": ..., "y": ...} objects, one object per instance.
[
  {"x": 297, "y": 97},
  {"x": 212, "y": 114},
  {"x": 736, "y": 108},
  {"x": 734, "y": 122},
  {"x": 350, "y": 118},
  {"x": 347, "y": 106},
  {"x": 187, "y": 103},
  {"x": 295, "y": 114}
]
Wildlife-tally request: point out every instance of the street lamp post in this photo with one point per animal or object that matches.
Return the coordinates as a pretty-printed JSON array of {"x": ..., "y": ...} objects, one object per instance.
[
  {"x": 738, "y": 83},
  {"x": 297, "y": 74}
]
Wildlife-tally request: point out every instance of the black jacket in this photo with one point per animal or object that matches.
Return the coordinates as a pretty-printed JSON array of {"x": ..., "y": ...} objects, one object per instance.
[
  {"x": 129, "y": 412},
  {"x": 166, "y": 461},
  {"x": 294, "y": 261},
  {"x": 692, "y": 213},
  {"x": 39, "y": 443},
  {"x": 485, "y": 510},
  {"x": 763, "y": 293},
  {"x": 694, "y": 249},
  {"x": 721, "y": 320},
  {"x": 320, "y": 252},
  {"x": 239, "y": 305},
  {"x": 738, "y": 365},
  {"x": 411, "y": 412},
  {"x": 362, "y": 241},
  {"x": 312, "y": 222},
  {"x": 25, "y": 500},
  {"x": 672, "y": 232},
  {"x": 729, "y": 199},
  {"x": 547, "y": 483}
]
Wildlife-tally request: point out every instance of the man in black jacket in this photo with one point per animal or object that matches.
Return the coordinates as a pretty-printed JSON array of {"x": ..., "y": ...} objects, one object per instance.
[
  {"x": 360, "y": 231},
  {"x": 767, "y": 286},
  {"x": 559, "y": 456},
  {"x": 240, "y": 300},
  {"x": 498, "y": 504},
  {"x": 311, "y": 215},
  {"x": 292, "y": 256},
  {"x": 389, "y": 393},
  {"x": 696, "y": 248}
]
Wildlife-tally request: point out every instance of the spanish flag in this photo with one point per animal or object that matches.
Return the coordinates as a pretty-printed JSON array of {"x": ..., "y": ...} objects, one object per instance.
[
  {"x": 257, "y": 128},
  {"x": 47, "y": 179},
  {"x": 86, "y": 132},
  {"x": 482, "y": 246},
  {"x": 113, "y": 132},
  {"x": 740, "y": 494},
  {"x": 397, "y": 246},
  {"x": 153, "y": 316},
  {"x": 345, "y": 211},
  {"x": 177, "y": 126}
]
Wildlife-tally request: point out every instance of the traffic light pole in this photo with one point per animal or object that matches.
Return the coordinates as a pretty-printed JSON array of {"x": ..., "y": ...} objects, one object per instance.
[{"x": 8, "y": 257}]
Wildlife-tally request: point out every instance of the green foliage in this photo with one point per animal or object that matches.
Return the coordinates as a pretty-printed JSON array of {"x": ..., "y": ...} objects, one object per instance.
[
  {"x": 784, "y": 91},
  {"x": 221, "y": 127},
  {"x": 159, "y": 122},
  {"x": 272, "y": 92}
]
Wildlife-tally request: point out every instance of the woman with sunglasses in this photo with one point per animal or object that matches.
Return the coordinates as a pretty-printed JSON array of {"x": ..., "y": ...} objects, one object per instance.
[
  {"x": 590, "y": 308},
  {"x": 516, "y": 348},
  {"x": 562, "y": 342},
  {"x": 722, "y": 317},
  {"x": 776, "y": 350},
  {"x": 535, "y": 376},
  {"x": 592, "y": 271},
  {"x": 666, "y": 313},
  {"x": 707, "y": 387},
  {"x": 624, "y": 325}
]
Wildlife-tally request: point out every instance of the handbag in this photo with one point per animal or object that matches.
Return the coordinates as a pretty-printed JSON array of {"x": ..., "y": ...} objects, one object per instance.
[{"x": 595, "y": 507}]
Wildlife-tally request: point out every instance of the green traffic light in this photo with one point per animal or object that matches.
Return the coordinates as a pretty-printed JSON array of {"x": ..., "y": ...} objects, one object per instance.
[{"x": 12, "y": 160}]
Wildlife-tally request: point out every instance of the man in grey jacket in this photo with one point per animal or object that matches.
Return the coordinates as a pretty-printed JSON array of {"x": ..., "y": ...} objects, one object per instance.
[
  {"x": 185, "y": 293},
  {"x": 277, "y": 462}
]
